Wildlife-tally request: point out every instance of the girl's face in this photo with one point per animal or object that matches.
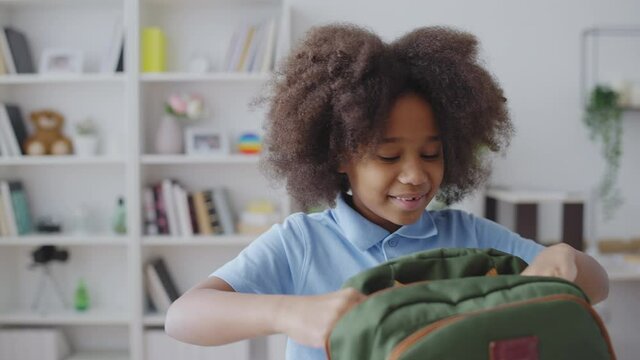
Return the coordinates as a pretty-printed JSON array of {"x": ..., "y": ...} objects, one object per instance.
[{"x": 392, "y": 186}]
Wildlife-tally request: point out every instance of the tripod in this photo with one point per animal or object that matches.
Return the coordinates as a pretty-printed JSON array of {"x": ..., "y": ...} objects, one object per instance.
[{"x": 46, "y": 277}]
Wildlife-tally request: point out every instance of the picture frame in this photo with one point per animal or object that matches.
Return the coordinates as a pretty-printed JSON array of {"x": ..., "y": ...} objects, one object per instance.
[
  {"x": 61, "y": 61},
  {"x": 206, "y": 141}
]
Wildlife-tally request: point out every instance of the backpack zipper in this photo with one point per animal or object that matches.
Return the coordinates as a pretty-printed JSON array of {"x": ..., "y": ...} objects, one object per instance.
[{"x": 412, "y": 339}]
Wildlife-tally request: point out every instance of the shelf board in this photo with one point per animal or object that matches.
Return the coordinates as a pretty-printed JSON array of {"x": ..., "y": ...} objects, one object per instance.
[
  {"x": 199, "y": 159},
  {"x": 206, "y": 77},
  {"x": 59, "y": 160},
  {"x": 199, "y": 240},
  {"x": 39, "y": 79},
  {"x": 63, "y": 317},
  {"x": 68, "y": 240},
  {"x": 154, "y": 319},
  {"x": 214, "y": 2},
  {"x": 618, "y": 268},
  {"x": 99, "y": 355}
]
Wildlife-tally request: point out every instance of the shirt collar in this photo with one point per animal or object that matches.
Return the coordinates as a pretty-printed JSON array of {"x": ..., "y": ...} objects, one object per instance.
[{"x": 364, "y": 233}]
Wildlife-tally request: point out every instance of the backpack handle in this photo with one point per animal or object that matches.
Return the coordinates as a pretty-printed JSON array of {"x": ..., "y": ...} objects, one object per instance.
[{"x": 436, "y": 265}]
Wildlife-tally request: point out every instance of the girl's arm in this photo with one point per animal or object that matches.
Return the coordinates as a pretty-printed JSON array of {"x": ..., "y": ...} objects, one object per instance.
[
  {"x": 212, "y": 313},
  {"x": 563, "y": 261}
]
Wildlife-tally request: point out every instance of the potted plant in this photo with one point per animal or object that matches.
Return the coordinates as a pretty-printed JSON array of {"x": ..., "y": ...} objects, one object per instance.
[
  {"x": 603, "y": 117},
  {"x": 86, "y": 138}
]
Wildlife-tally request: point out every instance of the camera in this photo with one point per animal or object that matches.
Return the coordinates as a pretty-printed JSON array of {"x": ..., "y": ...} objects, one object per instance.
[{"x": 48, "y": 253}]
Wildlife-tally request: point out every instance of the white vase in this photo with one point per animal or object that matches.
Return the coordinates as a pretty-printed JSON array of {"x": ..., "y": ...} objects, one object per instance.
[
  {"x": 85, "y": 145},
  {"x": 168, "y": 136}
]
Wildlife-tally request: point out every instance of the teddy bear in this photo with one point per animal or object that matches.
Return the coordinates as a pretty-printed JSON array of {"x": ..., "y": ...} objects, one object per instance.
[{"x": 47, "y": 138}]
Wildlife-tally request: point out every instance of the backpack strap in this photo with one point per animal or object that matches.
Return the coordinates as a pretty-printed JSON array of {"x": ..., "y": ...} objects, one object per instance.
[{"x": 436, "y": 265}]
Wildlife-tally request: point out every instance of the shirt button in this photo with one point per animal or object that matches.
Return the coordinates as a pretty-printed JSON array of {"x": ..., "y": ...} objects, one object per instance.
[{"x": 393, "y": 242}]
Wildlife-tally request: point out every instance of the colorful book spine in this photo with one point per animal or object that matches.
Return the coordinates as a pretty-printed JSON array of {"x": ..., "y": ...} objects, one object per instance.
[
  {"x": 161, "y": 214},
  {"x": 212, "y": 213},
  {"x": 204, "y": 226},
  {"x": 170, "y": 207},
  {"x": 192, "y": 214},
  {"x": 223, "y": 208},
  {"x": 150, "y": 221}
]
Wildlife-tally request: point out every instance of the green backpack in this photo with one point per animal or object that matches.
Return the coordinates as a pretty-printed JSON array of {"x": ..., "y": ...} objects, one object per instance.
[{"x": 466, "y": 304}]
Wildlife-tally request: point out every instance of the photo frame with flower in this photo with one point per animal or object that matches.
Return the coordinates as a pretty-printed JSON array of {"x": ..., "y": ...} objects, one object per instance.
[{"x": 202, "y": 140}]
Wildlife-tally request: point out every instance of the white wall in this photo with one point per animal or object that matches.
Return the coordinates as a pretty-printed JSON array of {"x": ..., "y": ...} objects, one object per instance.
[{"x": 533, "y": 47}]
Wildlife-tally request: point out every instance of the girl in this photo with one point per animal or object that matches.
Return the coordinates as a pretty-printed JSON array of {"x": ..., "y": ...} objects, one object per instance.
[{"x": 376, "y": 131}]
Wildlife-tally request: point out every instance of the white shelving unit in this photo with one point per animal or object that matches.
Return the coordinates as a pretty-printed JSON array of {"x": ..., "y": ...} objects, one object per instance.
[{"x": 127, "y": 108}]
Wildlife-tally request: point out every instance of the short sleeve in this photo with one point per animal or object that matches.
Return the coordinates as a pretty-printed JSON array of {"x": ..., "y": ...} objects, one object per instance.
[
  {"x": 492, "y": 235},
  {"x": 271, "y": 264}
]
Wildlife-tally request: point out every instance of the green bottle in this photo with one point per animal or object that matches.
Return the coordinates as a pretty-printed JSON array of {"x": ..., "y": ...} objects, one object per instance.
[
  {"x": 81, "y": 298},
  {"x": 120, "y": 218}
]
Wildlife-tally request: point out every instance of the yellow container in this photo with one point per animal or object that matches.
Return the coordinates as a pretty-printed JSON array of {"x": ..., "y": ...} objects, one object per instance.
[{"x": 154, "y": 52}]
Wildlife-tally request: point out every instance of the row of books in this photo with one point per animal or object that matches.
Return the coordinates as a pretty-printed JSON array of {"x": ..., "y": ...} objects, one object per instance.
[
  {"x": 13, "y": 131},
  {"x": 15, "y": 217},
  {"x": 170, "y": 209},
  {"x": 252, "y": 48},
  {"x": 161, "y": 288},
  {"x": 15, "y": 55}
]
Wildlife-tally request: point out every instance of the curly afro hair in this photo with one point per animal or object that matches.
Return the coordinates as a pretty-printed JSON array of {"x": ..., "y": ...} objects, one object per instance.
[{"x": 331, "y": 97}]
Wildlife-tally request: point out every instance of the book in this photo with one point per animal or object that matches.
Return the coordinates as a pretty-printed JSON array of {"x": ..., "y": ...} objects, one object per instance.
[
  {"x": 253, "y": 47},
  {"x": 223, "y": 208},
  {"x": 113, "y": 55},
  {"x": 245, "y": 48},
  {"x": 270, "y": 45},
  {"x": 8, "y": 208},
  {"x": 4, "y": 226},
  {"x": 161, "y": 214},
  {"x": 9, "y": 139},
  {"x": 238, "y": 46},
  {"x": 120, "y": 66},
  {"x": 18, "y": 125},
  {"x": 182, "y": 207},
  {"x": 170, "y": 207},
  {"x": 202, "y": 217},
  {"x": 161, "y": 287},
  {"x": 158, "y": 296},
  {"x": 20, "y": 207},
  {"x": 231, "y": 49},
  {"x": 150, "y": 222},
  {"x": 165, "y": 277},
  {"x": 4, "y": 139},
  {"x": 3, "y": 67},
  {"x": 6, "y": 53},
  {"x": 20, "y": 51},
  {"x": 212, "y": 213},
  {"x": 192, "y": 214}
]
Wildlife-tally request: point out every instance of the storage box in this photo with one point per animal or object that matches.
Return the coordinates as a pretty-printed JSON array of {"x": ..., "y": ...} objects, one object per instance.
[
  {"x": 159, "y": 346},
  {"x": 33, "y": 344}
]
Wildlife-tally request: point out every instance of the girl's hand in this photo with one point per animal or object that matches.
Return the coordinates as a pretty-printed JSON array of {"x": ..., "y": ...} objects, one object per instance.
[
  {"x": 309, "y": 319},
  {"x": 557, "y": 260}
]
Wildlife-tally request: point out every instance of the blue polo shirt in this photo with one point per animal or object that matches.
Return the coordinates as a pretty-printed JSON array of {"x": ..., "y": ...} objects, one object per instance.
[{"x": 312, "y": 254}]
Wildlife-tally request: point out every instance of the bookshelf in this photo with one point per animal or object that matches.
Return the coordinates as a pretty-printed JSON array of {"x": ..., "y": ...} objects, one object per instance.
[{"x": 127, "y": 108}]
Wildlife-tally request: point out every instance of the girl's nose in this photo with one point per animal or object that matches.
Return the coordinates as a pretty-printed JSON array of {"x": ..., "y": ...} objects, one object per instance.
[{"x": 413, "y": 172}]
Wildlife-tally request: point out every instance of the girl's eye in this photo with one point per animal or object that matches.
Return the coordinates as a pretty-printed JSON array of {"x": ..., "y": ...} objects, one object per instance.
[
  {"x": 430, "y": 157},
  {"x": 388, "y": 158}
]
